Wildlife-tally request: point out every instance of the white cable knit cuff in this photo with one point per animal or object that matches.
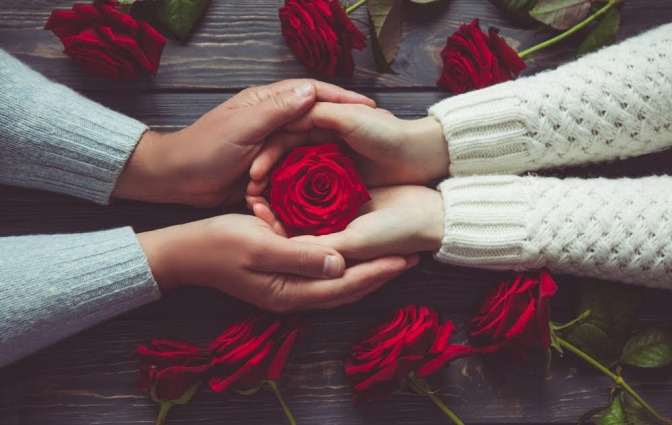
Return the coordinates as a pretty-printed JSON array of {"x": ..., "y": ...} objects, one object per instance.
[{"x": 486, "y": 224}]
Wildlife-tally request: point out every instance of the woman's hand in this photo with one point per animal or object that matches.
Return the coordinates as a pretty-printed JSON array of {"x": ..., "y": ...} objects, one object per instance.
[
  {"x": 399, "y": 220},
  {"x": 243, "y": 257},
  {"x": 387, "y": 150},
  {"x": 206, "y": 164}
]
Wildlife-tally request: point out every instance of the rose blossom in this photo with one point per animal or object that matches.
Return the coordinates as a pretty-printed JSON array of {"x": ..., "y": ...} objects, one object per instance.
[
  {"x": 171, "y": 367},
  {"x": 473, "y": 59},
  {"x": 316, "y": 191},
  {"x": 321, "y": 35},
  {"x": 251, "y": 351},
  {"x": 108, "y": 42},
  {"x": 516, "y": 314},
  {"x": 410, "y": 341}
]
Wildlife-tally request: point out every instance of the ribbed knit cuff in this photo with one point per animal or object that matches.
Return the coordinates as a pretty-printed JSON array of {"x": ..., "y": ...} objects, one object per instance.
[
  {"x": 55, "y": 139},
  {"x": 53, "y": 286},
  {"x": 487, "y": 131},
  {"x": 486, "y": 224}
]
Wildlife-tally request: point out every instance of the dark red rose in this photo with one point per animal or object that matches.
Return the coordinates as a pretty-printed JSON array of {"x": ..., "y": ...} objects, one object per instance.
[
  {"x": 321, "y": 35},
  {"x": 108, "y": 42},
  {"x": 252, "y": 351},
  {"x": 516, "y": 314},
  {"x": 171, "y": 367},
  {"x": 316, "y": 191},
  {"x": 473, "y": 59},
  {"x": 411, "y": 341}
]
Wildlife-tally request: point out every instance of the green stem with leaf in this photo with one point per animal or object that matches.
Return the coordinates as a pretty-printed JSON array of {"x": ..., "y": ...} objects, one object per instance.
[
  {"x": 355, "y": 6},
  {"x": 421, "y": 387},
  {"x": 617, "y": 379},
  {"x": 572, "y": 30},
  {"x": 281, "y": 400}
]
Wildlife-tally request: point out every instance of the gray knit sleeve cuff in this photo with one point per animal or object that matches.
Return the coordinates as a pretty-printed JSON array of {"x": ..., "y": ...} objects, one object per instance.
[
  {"x": 54, "y": 139},
  {"x": 53, "y": 286}
]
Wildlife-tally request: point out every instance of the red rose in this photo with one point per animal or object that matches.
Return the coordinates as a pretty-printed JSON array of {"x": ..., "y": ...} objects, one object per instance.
[
  {"x": 411, "y": 341},
  {"x": 251, "y": 351},
  {"x": 473, "y": 59},
  {"x": 516, "y": 314},
  {"x": 108, "y": 42},
  {"x": 321, "y": 35},
  {"x": 171, "y": 367},
  {"x": 316, "y": 191}
]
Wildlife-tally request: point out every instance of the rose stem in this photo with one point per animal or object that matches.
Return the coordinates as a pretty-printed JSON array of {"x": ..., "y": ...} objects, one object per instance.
[
  {"x": 355, "y": 6},
  {"x": 618, "y": 379},
  {"x": 285, "y": 408},
  {"x": 415, "y": 384},
  {"x": 570, "y": 31},
  {"x": 163, "y": 412}
]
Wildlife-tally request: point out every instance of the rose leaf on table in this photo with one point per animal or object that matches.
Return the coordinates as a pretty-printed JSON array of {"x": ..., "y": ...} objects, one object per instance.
[
  {"x": 561, "y": 14},
  {"x": 385, "y": 29}
]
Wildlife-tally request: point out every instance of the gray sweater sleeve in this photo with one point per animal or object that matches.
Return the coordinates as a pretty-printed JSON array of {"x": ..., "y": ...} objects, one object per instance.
[
  {"x": 53, "y": 286},
  {"x": 54, "y": 139}
]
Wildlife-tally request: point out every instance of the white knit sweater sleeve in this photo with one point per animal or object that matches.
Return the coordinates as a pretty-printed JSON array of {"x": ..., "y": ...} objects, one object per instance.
[
  {"x": 611, "y": 104},
  {"x": 617, "y": 229}
]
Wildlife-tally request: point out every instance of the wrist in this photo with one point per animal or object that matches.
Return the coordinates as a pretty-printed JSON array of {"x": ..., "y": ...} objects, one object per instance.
[
  {"x": 429, "y": 150},
  {"x": 159, "y": 247},
  {"x": 433, "y": 227}
]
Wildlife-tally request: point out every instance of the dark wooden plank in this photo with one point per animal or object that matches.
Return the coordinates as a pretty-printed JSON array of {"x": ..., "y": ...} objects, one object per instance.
[
  {"x": 238, "y": 44},
  {"x": 91, "y": 379}
]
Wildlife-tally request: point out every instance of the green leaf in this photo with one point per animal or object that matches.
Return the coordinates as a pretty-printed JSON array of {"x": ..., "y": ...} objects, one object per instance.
[
  {"x": 649, "y": 348},
  {"x": 603, "y": 34},
  {"x": 612, "y": 309},
  {"x": 594, "y": 342},
  {"x": 423, "y": 1},
  {"x": 516, "y": 10},
  {"x": 614, "y": 414},
  {"x": 561, "y": 14},
  {"x": 635, "y": 413},
  {"x": 180, "y": 15},
  {"x": 386, "y": 19},
  {"x": 125, "y": 5},
  {"x": 250, "y": 391}
]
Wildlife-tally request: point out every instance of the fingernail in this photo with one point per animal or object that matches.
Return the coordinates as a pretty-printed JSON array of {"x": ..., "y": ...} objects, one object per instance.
[
  {"x": 332, "y": 267},
  {"x": 304, "y": 89}
]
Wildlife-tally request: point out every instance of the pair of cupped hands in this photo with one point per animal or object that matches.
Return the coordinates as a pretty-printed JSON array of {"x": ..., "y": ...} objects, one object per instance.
[{"x": 226, "y": 156}]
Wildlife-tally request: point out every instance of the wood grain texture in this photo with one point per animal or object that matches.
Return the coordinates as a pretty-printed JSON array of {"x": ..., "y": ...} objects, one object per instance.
[
  {"x": 238, "y": 44},
  {"x": 91, "y": 377}
]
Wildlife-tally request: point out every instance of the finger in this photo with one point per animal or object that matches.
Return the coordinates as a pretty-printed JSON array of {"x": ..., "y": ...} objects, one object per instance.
[
  {"x": 300, "y": 258},
  {"x": 274, "y": 149},
  {"x": 331, "y": 116},
  {"x": 257, "y": 187},
  {"x": 330, "y": 93},
  {"x": 263, "y": 211},
  {"x": 356, "y": 282},
  {"x": 275, "y": 111}
]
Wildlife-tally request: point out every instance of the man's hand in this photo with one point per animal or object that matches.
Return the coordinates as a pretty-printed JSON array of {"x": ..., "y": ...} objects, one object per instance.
[
  {"x": 243, "y": 257},
  {"x": 206, "y": 164}
]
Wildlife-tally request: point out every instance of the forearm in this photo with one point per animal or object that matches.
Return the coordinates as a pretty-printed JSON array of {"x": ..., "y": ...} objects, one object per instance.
[
  {"x": 54, "y": 139},
  {"x": 609, "y": 229},
  {"x": 53, "y": 286},
  {"x": 612, "y": 104}
]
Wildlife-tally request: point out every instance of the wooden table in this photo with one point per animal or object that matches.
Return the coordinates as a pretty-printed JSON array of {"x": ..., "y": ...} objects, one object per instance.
[{"x": 91, "y": 378}]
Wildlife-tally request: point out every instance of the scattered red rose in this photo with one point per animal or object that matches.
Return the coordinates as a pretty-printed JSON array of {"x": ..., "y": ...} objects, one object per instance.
[
  {"x": 516, "y": 314},
  {"x": 316, "y": 191},
  {"x": 251, "y": 351},
  {"x": 473, "y": 59},
  {"x": 321, "y": 35},
  {"x": 412, "y": 341},
  {"x": 171, "y": 368},
  {"x": 106, "y": 41}
]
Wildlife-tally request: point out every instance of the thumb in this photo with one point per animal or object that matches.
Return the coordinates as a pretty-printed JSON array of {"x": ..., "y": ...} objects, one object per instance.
[
  {"x": 301, "y": 258},
  {"x": 281, "y": 108}
]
